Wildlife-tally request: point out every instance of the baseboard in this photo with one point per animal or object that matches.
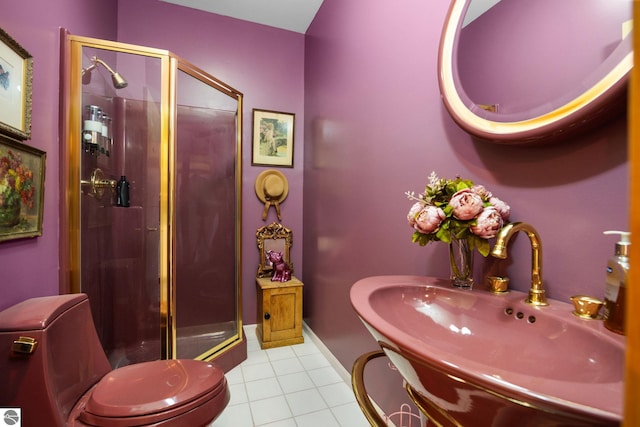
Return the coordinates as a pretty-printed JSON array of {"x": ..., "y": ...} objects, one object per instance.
[{"x": 333, "y": 361}]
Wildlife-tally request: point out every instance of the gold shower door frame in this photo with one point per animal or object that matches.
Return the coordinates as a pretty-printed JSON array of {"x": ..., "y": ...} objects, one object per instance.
[{"x": 70, "y": 167}]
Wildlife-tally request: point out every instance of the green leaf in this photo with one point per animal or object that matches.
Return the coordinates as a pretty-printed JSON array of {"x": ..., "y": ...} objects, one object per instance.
[
  {"x": 460, "y": 232},
  {"x": 421, "y": 238},
  {"x": 483, "y": 246},
  {"x": 443, "y": 234}
]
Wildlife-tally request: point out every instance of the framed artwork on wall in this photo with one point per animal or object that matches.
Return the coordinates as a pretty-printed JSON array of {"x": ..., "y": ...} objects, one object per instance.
[
  {"x": 21, "y": 189},
  {"x": 272, "y": 142},
  {"x": 16, "y": 76}
]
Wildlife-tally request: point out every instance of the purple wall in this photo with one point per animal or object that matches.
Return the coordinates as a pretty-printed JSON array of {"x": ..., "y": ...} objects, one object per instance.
[
  {"x": 369, "y": 126},
  {"x": 376, "y": 127},
  {"x": 266, "y": 65},
  {"x": 30, "y": 266}
]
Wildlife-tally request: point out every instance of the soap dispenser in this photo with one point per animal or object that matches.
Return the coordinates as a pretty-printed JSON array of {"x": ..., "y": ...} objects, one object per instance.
[{"x": 615, "y": 291}]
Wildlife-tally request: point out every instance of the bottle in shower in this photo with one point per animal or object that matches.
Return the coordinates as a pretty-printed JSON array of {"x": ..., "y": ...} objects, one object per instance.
[{"x": 122, "y": 192}]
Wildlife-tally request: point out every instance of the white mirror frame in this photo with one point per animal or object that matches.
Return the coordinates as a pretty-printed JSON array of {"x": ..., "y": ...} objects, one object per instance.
[{"x": 579, "y": 113}]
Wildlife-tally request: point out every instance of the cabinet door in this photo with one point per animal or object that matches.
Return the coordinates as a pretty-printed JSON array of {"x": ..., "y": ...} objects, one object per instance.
[{"x": 284, "y": 306}]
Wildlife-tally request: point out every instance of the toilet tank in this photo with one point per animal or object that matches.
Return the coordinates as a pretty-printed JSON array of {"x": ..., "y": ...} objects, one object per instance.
[{"x": 67, "y": 360}]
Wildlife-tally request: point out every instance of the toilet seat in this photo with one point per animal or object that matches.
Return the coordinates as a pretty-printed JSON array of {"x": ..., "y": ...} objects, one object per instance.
[{"x": 154, "y": 393}]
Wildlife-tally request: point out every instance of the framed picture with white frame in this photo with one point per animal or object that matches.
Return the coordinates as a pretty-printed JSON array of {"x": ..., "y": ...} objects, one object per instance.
[{"x": 16, "y": 76}]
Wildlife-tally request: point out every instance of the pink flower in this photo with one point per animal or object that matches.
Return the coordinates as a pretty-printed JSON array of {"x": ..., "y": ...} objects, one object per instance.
[
  {"x": 429, "y": 219},
  {"x": 466, "y": 204},
  {"x": 488, "y": 223},
  {"x": 413, "y": 212},
  {"x": 481, "y": 191},
  {"x": 501, "y": 207}
]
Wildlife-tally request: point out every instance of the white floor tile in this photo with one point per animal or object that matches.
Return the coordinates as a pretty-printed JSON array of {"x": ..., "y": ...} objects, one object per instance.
[
  {"x": 270, "y": 410},
  {"x": 262, "y": 389},
  {"x": 248, "y": 328},
  {"x": 234, "y": 376},
  {"x": 295, "y": 382},
  {"x": 291, "y": 386},
  {"x": 322, "y": 418},
  {"x": 337, "y": 394},
  {"x": 253, "y": 346},
  {"x": 324, "y": 376},
  {"x": 314, "y": 361},
  {"x": 254, "y": 357},
  {"x": 259, "y": 371},
  {"x": 287, "y": 366},
  {"x": 234, "y": 416},
  {"x": 238, "y": 394},
  {"x": 308, "y": 347},
  {"x": 303, "y": 402},
  {"x": 284, "y": 423},
  {"x": 280, "y": 353},
  {"x": 252, "y": 342}
]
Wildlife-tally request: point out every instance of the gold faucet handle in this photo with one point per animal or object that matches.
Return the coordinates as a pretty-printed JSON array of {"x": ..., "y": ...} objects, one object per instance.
[
  {"x": 498, "y": 284},
  {"x": 586, "y": 307}
]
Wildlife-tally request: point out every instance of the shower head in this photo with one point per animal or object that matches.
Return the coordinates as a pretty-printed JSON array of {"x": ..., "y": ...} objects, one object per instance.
[{"x": 118, "y": 81}]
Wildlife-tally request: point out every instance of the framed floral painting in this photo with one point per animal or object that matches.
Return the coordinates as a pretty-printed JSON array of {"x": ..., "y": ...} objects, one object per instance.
[
  {"x": 21, "y": 190},
  {"x": 16, "y": 76},
  {"x": 272, "y": 138}
]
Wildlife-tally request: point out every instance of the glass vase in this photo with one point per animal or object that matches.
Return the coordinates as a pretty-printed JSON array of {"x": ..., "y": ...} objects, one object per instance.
[
  {"x": 10, "y": 215},
  {"x": 461, "y": 260}
]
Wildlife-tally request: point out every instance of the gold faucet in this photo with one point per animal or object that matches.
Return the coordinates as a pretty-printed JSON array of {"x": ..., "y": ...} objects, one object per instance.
[{"x": 536, "y": 293}]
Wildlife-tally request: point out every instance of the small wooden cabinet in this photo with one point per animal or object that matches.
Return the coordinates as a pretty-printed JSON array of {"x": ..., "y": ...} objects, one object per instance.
[{"x": 279, "y": 312}]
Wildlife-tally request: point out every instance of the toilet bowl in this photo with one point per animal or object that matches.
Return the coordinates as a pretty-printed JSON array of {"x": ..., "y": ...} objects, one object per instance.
[{"x": 53, "y": 367}]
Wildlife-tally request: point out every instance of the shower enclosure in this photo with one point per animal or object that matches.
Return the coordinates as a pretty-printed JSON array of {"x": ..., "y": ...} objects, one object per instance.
[{"x": 151, "y": 159}]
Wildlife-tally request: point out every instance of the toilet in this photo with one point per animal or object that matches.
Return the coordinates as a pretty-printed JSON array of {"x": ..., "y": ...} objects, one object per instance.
[{"x": 53, "y": 367}]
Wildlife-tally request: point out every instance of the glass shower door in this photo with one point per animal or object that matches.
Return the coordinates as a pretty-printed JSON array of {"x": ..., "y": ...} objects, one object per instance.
[
  {"x": 120, "y": 239},
  {"x": 150, "y": 223},
  {"x": 205, "y": 213}
]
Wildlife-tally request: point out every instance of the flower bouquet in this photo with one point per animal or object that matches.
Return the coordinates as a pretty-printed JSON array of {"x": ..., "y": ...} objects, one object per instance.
[
  {"x": 458, "y": 212},
  {"x": 16, "y": 187}
]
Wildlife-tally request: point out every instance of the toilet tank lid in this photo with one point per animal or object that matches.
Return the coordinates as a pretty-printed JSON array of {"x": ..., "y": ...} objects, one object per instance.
[{"x": 37, "y": 313}]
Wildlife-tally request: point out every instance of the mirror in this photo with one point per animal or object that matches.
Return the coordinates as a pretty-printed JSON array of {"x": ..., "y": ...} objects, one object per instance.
[
  {"x": 524, "y": 72},
  {"x": 273, "y": 237}
]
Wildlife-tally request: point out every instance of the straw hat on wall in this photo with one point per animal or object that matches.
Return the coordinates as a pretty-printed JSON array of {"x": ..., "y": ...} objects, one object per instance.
[{"x": 272, "y": 188}]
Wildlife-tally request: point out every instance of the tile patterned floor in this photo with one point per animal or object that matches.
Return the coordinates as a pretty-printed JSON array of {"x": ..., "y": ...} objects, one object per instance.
[{"x": 292, "y": 386}]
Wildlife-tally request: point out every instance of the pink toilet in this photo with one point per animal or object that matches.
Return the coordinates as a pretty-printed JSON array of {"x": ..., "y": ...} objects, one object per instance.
[{"x": 53, "y": 367}]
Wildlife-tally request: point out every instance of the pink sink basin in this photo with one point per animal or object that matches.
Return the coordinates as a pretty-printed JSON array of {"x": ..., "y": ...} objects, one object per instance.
[{"x": 492, "y": 360}]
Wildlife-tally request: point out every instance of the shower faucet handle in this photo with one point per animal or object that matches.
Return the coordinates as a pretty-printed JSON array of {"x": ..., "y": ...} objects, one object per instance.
[{"x": 98, "y": 183}]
